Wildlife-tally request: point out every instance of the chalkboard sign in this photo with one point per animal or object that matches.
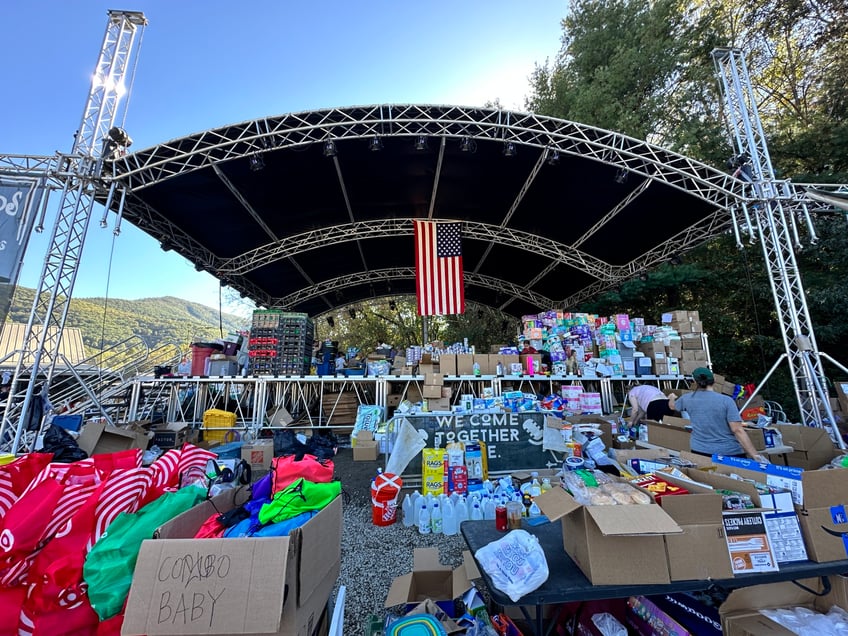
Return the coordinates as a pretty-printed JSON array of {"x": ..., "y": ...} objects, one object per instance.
[{"x": 513, "y": 440}]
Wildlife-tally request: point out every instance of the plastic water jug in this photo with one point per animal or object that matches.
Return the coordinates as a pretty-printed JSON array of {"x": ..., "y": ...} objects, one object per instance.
[
  {"x": 408, "y": 515},
  {"x": 424, "y": 520},
  {"x": 449, "y": 524},
  {"x": 436, "y": 518}
]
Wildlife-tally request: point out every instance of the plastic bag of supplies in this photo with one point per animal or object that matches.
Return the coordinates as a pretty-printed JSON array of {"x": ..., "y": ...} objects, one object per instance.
[{"x": 516, "y": 563}]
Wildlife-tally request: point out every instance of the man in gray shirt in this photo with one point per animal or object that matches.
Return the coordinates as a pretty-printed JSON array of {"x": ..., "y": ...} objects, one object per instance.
[{"x": 717, "y": 427}]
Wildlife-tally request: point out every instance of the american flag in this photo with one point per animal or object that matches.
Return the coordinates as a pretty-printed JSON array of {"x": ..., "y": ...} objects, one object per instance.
[{"x": 438, "y": 268}]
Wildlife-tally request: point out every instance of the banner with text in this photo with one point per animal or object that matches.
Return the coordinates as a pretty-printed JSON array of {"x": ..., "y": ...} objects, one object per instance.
[
  {"x": 19, "y": 201},
  {"x": 513, "y": 440}
]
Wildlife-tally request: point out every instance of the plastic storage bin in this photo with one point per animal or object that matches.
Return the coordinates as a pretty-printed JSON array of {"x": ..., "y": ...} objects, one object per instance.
[{"x": 217, "y": 420}]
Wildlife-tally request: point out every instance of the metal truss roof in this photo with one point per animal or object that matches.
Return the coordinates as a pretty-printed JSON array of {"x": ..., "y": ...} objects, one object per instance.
[{"x": 312, "y": 211}]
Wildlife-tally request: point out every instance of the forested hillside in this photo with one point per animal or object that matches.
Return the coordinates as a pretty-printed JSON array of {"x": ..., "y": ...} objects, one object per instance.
[{"x": 158, "y": 320}]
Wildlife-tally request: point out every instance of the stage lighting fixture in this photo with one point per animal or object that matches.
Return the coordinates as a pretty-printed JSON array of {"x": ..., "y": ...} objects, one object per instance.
[
  {"x": 621, "y": 175},
  {"x": 375, "y": 144},
  {"x": 553, "y": 157},
  {"x": 352, "y": 313},
  {"x": 675, "y": 259},
  {"x": 120, "y": 136},
  {"x": 421, "y": 142},
  {"x": 331, "y": 321},
  {"x": 256, "y": 162},
  {"x": 166, "y": 245},
  {"x": 465, "y": 145},
  {"x": 103, "y": 222},
  {"x": 198, "y": 267},
  {"x": 509, "y": 149},
  {"x": 643, "y": 277},
  {"x": 330, "y": 148},
  {"x": 392, "y": 305}
]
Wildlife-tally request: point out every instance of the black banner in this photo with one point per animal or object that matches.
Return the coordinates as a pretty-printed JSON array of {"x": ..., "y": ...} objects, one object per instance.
[
  {"x": 19, "y": 199},
  {"x": 513, "y": 440}
]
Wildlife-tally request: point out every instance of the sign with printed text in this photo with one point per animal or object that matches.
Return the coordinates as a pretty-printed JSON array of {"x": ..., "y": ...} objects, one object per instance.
[
  {"x": 514, "y": 441},
  {"x": 19, "y": 200},
  {"x": 748, "y": 543}
]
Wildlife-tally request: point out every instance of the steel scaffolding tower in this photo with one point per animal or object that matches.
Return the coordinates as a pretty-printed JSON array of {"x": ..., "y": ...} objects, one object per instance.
[
  {"x": 96, "y": 139},
  {"x": 765, "y": 216}
]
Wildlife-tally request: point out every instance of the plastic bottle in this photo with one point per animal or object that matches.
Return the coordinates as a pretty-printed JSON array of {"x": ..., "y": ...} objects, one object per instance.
[
  {"x": 424, "y": 519},
  {"x": 476, "y": 513},
  {"x": 461, "y": 510},
  {"x": 534, "y": 510},
  {"x": 499, "y": 369},
  {"x": 535, "y": 488},
  {"x": 436, "y": 518},
  {"x": 489, "y": 509},
  {"x": 546, "y": 485},
  {"x": 406, "y": 507},
  {"x": 449, "y": 522},
  {"x": 416, "y": 507},
  {"x": 476, "y": 368}
]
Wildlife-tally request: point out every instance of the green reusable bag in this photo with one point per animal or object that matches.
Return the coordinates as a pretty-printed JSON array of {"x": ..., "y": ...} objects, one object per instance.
[
  {"x": 299, "y": 496},
  {"x": 109, "y": 567}
]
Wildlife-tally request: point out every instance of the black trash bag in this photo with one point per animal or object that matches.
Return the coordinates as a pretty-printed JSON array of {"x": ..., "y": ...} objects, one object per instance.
[
  {"x": 63, "y": 446},
  {"x": 323, "y": 445},
  {"x": 286, "y": 443}
]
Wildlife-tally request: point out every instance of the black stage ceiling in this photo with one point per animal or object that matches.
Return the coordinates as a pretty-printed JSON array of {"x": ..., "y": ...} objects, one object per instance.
[{"x": 271, "y": 210}]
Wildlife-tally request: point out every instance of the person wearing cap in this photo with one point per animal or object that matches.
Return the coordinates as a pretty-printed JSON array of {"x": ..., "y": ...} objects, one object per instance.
[
  {"x": 717, "y": 426},
  {"x": 648, "y": 402}
]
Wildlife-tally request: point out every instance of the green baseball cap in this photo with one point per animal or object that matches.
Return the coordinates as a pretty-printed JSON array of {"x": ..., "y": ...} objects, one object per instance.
[{"x": 703, "y": 374}]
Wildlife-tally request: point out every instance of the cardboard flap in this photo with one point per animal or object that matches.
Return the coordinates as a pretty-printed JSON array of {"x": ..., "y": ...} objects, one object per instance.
[
  {"x": 556, "y": 503},
  {"x": 320, "y": 549},
  {"x": 399, "y": 590},
  {"x": 459, "y": 582},
  {"x": 633, "y": 519},
  {"x": 471, "y": 570},
  {"x": 239, "y": 589},
  {"x": 427, "y": 560},
  {"x": 825, "y": 488},
  {"x": 756, "y": 597}
]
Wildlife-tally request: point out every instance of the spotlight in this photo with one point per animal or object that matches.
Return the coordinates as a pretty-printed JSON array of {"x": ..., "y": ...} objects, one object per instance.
[
  {"x": 103, "y": 222},
  {"x": 330, "y": 148},
  {"x": 553, "y": 157},
  {"x": 352, "y": 313},
  {"x": 166, "y": 245},
  {"x": 199, "y": 267},
  {"x": 256, "y": 162},
  {"x": 675, "y": 259},
  {"x": 375, "y": 144},
  {"x": 331, "y": 321},
  {"x": 643, "y": 277},
  {"x": 509, "y": 149},
  {"x": 421, "y": 142},
  {"x": 392, "y": 305},
  {"x": 120, "y": 136},
  {"x": 465, "y": 145},
  {"x": 621, "y": 176}
]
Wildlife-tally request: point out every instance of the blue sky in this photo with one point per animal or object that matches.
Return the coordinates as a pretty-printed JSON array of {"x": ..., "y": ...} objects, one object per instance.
[{"x": 206, "y": 63}]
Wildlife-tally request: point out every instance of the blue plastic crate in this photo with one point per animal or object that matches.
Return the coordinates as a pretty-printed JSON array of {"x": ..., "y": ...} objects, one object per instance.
[{"x": 232, "y": 450}]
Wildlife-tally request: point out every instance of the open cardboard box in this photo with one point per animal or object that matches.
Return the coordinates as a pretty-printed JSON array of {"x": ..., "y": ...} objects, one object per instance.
[
  {"x": 99, "y": 437},
  {"x": 613, "y": 545},
  {"x": 430, "y": 579},
  {"x": 700, "y": 552},
  {"x": 675, "y": 433},
  {"x": 740, "y": 615},
  {"x": 269, "y": 585},
  {"x": 366, "y": 447},
  {"x": 812, "y": 446}
]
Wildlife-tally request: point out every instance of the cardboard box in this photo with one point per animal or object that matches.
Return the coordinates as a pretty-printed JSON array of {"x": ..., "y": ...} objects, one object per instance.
[
  {"x": 258, "y": 454},
  {"x": 171, "y": 435},
  {"x": 677, "y": 613},
  {"x": 691, "y": 341},
  {"x": 431, "y": 391},
  {"x": 464, "y": 364},
  {"x": 740, "y": 614},
  {"x": 675, "y": 432},
  {"x": 671, "y": 433},
  {"x": 268, "y": 585},
  {"x": 812, "y": 447},
  {"x": 823, "y": 515},
  {"x": 98, "y": 437},
  {"x": 430, "y": 579},
  {"x": 487, "y": 363},
  {"x": 366, "y": 447},
  {"x": 613, "y": 545},
  {"x": 525, "y": 358},
  {"x": 842, "y": 394},
  {"x": 447, "y": 364},
  {"x": 434, "y": 379}
]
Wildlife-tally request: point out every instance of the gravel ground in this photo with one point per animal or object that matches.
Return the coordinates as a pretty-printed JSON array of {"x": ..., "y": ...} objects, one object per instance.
[{"x": 373, "y": 555}]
